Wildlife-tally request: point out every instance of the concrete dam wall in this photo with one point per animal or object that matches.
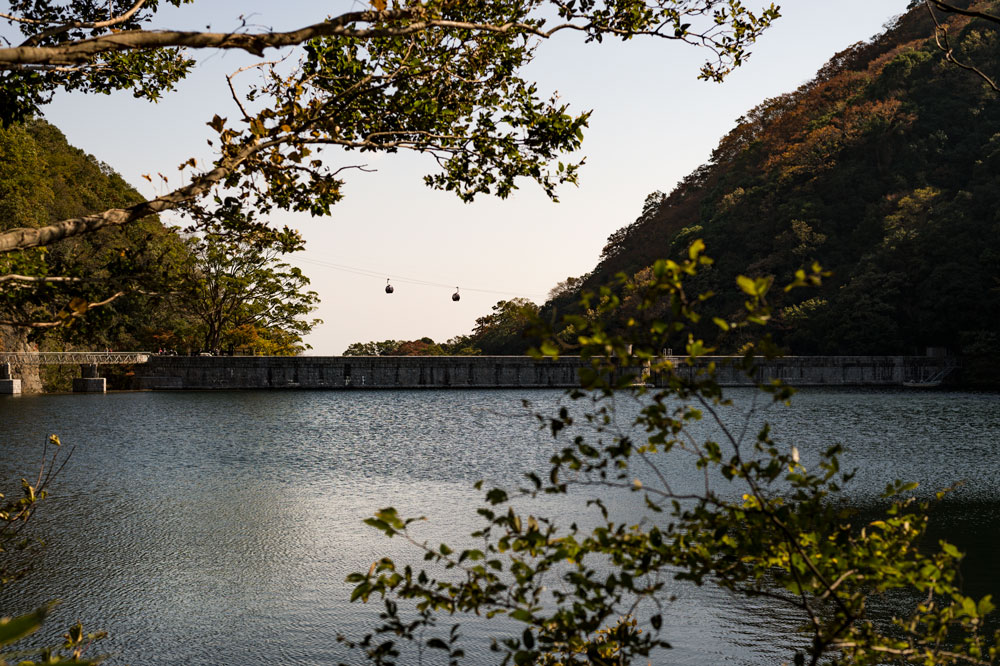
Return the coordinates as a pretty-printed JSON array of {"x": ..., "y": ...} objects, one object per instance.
[{"x": 409, "y": 372}]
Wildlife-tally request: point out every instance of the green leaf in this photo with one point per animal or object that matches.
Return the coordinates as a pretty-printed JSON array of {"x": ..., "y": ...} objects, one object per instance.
[
  {"x": 549, "y": 349},
  {"x": 747, "y": 285},
  {"x": 986, "y": 605},
  {"x": 14, "y": 629},
  {"x": 696, "y": 248},
  {"x": 951, "y": 550},
  {"x": 361, "y": 592},
  {"x": 522, "y": 615},
  {"x": 379, "y": 525}
]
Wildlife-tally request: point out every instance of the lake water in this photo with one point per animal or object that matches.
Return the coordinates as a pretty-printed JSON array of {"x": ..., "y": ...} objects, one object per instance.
[{"x": 218, "y": 527}]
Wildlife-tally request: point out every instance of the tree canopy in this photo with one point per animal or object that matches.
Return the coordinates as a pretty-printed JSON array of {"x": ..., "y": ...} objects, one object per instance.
[
  {"x": 241, "y": 295},
  {"x": 441, "y": 77},
  {"x": 141, "y": 286}
]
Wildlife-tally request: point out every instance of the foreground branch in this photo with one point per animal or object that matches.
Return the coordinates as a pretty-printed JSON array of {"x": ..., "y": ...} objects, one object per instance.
[
  {"x": 952, "y": 9},
  {"x": 79, "y": 312},
  {"x": 395, "y": 23},
  {"x": 13, "y": 277},
  {"x": 256, "y": 43},
  {"x": 944, "y": 44},
  {"x": 117, "y": 20},
  {"x": 20, "y": 239}
]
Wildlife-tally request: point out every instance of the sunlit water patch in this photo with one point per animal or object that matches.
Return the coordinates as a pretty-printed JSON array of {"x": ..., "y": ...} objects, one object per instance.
[{"x": 218, "y": 527}]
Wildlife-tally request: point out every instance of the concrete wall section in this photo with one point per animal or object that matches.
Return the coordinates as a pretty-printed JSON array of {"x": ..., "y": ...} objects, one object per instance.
[
  {"x": 370, "y": 372},
  {"x": 27, "y": 376},
  {"x": 837, "y": 371},
  {"x": 353, "y": 372}
]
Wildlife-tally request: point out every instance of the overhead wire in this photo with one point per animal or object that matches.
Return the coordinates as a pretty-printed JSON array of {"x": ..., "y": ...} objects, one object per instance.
[{"x": 364, "y": 272}]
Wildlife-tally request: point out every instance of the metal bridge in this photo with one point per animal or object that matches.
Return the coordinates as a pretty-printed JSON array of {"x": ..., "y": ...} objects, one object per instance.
[{"x": 22, "y": 359}]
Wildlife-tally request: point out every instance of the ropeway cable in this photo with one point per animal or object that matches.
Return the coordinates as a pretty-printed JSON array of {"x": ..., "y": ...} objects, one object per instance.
[{"x": 364, "y": 272}]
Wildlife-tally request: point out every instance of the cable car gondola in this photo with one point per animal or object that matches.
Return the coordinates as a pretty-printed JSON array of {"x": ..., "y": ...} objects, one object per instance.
[
  {"x": 456, "y": 296},
  {"x": 388, "y": 287}
]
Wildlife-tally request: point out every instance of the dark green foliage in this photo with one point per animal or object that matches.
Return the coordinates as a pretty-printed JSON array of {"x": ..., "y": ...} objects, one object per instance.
[
  {"x": 158, "y": 289},
  {"x": 885, "y": 168},
  {"x": 460, "y": 345},
  {"x": 43, "y": 179},
  {"x": 505, "y": 330},
  {"x": 147, "y": 74}
]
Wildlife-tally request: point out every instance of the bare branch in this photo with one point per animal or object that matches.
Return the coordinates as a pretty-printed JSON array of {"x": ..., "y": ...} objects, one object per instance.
[
  {"x": 944, "y": 45},
  {"x": 385, "y": 24},
  {"x": 67, "y": 69},
  {"x": 13, "y": 277},
  {"x": 34, "y": 39},
  {"x": 360, "y": 167},
  {"x": 18, "y": 19},
  {"x": 952, "y": 9},
  {"x": 232, "y": 90},
  {"x": 64, "y": 321}
]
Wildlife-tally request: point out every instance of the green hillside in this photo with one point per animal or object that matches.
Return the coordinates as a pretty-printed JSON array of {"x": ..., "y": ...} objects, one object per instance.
[
  {"x": 44, "y": 179},
  {"x": 141, "y": 286},
  {"x": 885, "y": 168}
]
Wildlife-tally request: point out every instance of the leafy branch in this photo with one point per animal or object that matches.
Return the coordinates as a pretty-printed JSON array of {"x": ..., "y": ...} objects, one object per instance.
[{"x": 766, "y": 523}]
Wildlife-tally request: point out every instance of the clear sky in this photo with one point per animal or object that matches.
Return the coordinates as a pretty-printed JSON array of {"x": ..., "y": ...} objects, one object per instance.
[{"x": 653, "y": 122}]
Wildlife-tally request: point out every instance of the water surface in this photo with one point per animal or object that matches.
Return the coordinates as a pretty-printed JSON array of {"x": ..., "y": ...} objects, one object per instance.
[{"x": 218, "y": 527}]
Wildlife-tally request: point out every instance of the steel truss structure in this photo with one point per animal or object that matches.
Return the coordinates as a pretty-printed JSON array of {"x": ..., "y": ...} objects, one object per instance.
[{"x": 73, "y": 358}]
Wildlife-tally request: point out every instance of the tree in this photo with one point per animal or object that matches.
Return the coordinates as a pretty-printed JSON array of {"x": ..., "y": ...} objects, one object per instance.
[
  {"x": 505, "y": 330},
  {"x": 613, "y": 247},
  {"x": 423, "y": 347},
  {"x": 460, "y": 345},
  {"x": 383, "y": 348},
  {"x": 730, "y": 508},
  {"x": 566, "y": 288},
  {"x": 242, "y": 296},
  {"x": 440, "y": 77}
]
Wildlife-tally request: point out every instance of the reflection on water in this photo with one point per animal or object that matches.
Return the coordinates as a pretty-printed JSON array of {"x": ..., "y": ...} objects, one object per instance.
[{"x": 218, "y": 527}]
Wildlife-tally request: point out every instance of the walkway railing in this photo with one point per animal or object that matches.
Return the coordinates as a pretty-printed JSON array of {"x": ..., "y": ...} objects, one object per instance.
[{"x": 73, "y": 358}]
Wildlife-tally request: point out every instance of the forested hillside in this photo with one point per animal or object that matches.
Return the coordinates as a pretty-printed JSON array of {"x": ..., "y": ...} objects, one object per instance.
[
  {"x": 43, "y": 179},
  {"x": 885, "y": 169},
  {"x": 142, "y": 286}
]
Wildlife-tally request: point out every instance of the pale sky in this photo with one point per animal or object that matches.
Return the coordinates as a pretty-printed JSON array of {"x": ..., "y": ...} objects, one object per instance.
[{"x": 653, "y": 122}]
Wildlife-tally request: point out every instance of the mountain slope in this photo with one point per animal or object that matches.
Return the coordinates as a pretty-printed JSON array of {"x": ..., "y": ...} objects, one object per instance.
[
  {"x": 885, "y": 169},
  {"x": 44, "y": 179}
]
